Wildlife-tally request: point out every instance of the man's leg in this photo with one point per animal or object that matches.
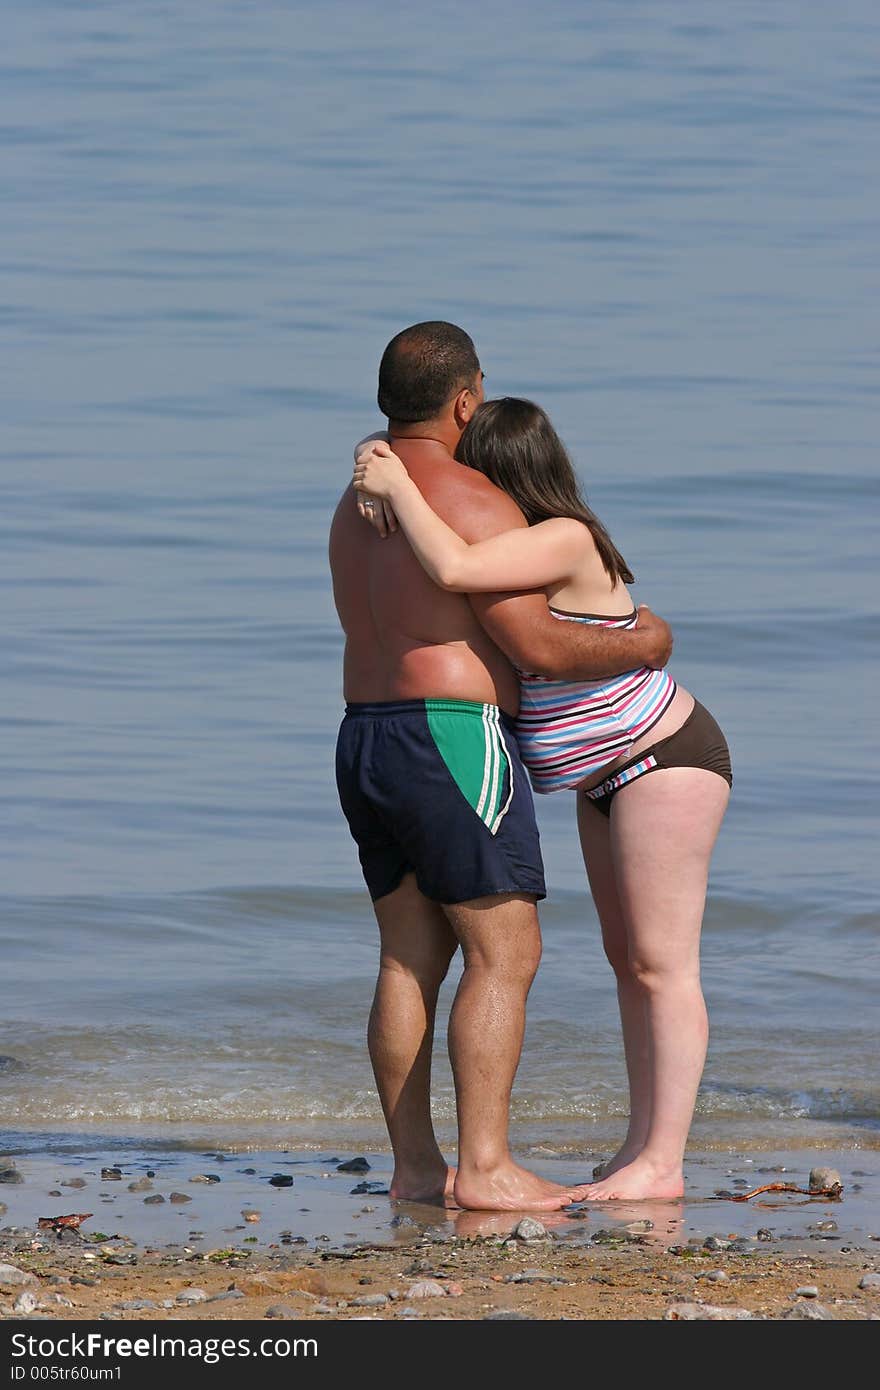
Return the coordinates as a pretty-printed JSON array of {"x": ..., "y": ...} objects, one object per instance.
[
  {"x": 501, "y": 944},
  {"x": 417, "y": 944}
]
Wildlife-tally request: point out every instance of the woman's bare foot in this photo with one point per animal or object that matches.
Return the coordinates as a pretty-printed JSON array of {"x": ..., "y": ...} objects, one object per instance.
[
  {"x": 423, "y": 1185},
  {"x": 638, "y": 1180},
  {"x": 626, "y": 1154},
  {"x": 511, "y": 1188}
]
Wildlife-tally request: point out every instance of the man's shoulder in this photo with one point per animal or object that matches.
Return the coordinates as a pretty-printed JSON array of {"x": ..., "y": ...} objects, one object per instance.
[{"x": 466, "y": 499}]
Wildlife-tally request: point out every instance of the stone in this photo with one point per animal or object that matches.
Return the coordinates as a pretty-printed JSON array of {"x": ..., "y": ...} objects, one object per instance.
[
  {"x": 192, "y": 1296},
  {"x": 507, "y": 1315},
  {"x": 155, "y": 1200},
  {"x": 716, "y": 1276},
  {"x": 824, "y": 1177},
  {"x": 11, "y": 1176},
  {"x": 407, "y": 1312},
  {"x": 225, "y": 1296},
  {"x": 531, "y": 1276},
  {"x": 807, "y": 1291},
  {"x": 179, "y": 1197},
  {"x": 426, "y": 1288},
  {"x": 25, "y": 1303},
  {"x": 281, "y": 1180},
  {"x": 354, "y": 1165},
  {"x": 251, "y": 1216},
  {"x": 762, "y": 1233},
  {"x": 703, "y": 1312},
  {"x": 370, "y": 1300},
  {"x": 205, "y": 1177},
  {"x": 717, "y": 1243},
  {"x": 11, "y": 1277},
  {"x": 134, "y": 1305},
  {"x": 371, "y": 1189},
  {"x": 870, "y": 1282},
  {"x": 325, "y": 1308},
  {"x": 111, "y": 1174},
  {"x": 279, "y": 1310},
  {"x": 140, "y": 1185},
  {"x": 75, "y": 1182},
  {"x": 529, "y": 1229},
  {"x": 811, "y": 1310}
]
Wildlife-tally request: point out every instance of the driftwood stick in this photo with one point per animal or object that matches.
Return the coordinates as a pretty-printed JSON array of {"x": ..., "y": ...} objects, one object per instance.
[{"x": 834, "y": 1191}]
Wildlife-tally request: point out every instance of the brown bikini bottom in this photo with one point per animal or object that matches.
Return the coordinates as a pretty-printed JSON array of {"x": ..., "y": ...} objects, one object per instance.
[{"x": 698, "y": 743}]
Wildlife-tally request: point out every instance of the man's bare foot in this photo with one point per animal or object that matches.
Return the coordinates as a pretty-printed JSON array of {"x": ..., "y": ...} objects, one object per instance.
[
  {"x": 511, "y": 1188},
  {"x": 422, "y": 1185},
  {"x": 636, "y": 1182}
]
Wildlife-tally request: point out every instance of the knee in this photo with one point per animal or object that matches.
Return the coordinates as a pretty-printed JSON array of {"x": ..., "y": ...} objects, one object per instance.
[
  {"x": 427, "y": 971},
  {"x": 617, "y": 955},
  {"x": 521, "y": 966},
  {"x": 654, "y": 977}
]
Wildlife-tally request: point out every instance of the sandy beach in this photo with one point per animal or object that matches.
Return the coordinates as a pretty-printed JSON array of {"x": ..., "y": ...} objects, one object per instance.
[{"x": 210, "y": 1235}]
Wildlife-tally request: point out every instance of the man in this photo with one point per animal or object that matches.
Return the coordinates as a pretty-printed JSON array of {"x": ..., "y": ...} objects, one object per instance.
[{"x": 433, "y": 789}]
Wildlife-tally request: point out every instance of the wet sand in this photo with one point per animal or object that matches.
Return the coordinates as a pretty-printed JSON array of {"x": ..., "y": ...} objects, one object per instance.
[{"x": 332, "y": 1244}]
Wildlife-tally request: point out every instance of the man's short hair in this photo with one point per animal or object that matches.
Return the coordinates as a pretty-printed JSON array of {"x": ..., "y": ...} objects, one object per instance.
[{"x": 422, "y": 368}]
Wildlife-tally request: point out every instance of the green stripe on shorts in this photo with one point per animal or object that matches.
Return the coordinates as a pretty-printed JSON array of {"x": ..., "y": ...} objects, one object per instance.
[{"x": 470, "y": 740}]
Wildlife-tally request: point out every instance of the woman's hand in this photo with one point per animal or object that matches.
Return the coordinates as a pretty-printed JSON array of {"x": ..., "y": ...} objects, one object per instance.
[
  {"x": 378, "y": 513},
  {"x": 378, "y": 471}
]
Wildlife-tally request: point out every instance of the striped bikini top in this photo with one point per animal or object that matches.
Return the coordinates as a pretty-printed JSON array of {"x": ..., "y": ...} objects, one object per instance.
[{"x": 569, "y": 730}]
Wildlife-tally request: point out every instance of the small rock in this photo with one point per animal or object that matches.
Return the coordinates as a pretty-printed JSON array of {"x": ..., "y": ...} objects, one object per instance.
[
  {"x": 55, "y": 1192},
  {"x": 11, "y": 1277},
  {"x": 179, "y": 1197},
  {"x": 324, "y": 1308},
  {"x": 192, "y": 1296},
  {"x": 279, "y": 1310},
  {"x": 529, "y": 1229},
  {"x": 75, "y": 1182},
  {"x": 3, "y": 1208},
  {"x": 426, "y": 1288},
  {"x": 370, "y": 1300},
  {"x": 716, "y": 1276},
  {"x": 373, "y": 1189},
  {"x": 807, "y": 1291},
  {"x": 155, "y": 1200},
  {"x": 870, "y": 1281},
  {"x": 225, "y": 1296},
  {"x": 823, "y": 1226},
  {"x": 407, "y": 1312},
  {"x": 81, "y": 1279},
  {"x": 354, "y": 1165},
  {"x": 763, "y": 1234},
  {"x": 506, "y": 1315},
  {"x": 134, "y": 1305},
  {"x": 531, "y": 1276},
  {"x": 10, "y": 1176},
  {"x": 814, "y": 1311},
  {"x": 824, "y": 1177},
  {"x": 454, "y": 1290},
  {"x": 111, "y": 1174},
  {"x": 251, "y": 1215},
  {"x": 717, "y": 1243},
  {"x": 403, "y": 1221},
  {"x": 205, "y": 1177},
  {"x": 639, "y": 1228},
  {"x": 281, "y": 1180},
  {"x": 60, "y": 1299},
  {"x": 140, "y": 1185},
  {"x": 703, "y": 1312},
  {"x": 25, "y": 1303}
]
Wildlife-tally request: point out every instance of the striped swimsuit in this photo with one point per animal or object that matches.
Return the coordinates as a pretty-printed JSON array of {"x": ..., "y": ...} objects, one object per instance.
[{"x": 569, "y": 730}]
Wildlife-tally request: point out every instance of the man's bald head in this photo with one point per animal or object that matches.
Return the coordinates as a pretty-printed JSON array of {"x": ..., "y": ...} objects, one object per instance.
[{"x": 423, "y": 369}]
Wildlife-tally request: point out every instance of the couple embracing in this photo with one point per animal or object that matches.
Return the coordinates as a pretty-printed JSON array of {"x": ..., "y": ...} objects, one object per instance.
[{"x": 491, "y": 641}]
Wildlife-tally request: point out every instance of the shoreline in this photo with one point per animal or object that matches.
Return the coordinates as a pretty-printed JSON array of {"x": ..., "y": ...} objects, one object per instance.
[{"x": 206, "y": 1234}]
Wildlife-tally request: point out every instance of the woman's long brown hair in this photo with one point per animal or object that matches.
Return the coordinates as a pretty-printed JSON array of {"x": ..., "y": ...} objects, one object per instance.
[{"x": 513, "y": 442}]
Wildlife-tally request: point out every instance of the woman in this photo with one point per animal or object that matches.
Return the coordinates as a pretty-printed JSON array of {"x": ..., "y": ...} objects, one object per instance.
[{"x": 650, "y": 766}]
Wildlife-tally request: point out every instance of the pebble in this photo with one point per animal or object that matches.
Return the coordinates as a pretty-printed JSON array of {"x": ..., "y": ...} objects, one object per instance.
[
  {"x": 403, "y": 1221},
  {"x": 111, "y": 1174},
  {"x": 11, "y": 1277},
  {"x": 703, "y": 1312},
  {"x": 823, "y": 1226},
  {"x": 279, "y": 1310},
  {"x": 530, "y": 1276},
  {"x": 225, "y": 1296},
  {"x": 205, "y": 1177},
  {"x": 639, "y": 1228},
  {"x": 426, "y": 1288},
  {"x": 179, "y": 1197},
  {"x": 354, "y": 1165},
  {"x": 251, "y": 1215},
  {"x": 134, "y": 1305},
  {"x": 529, "y": 1229},
  {"x": 506, "y": 1315},
  {"x": 25, "y": 1303},
  {"x": 155, "y": 1200},
  {"x": 325, "y": 1308},
  {"x": 370, "y": 1300},
  {"x": 810, "y": 1310},
  {"x": 716, "y": 1276},
  {"x": 75, "y": 1182},
  {"x": 55, "y": 1192},
  {"x": 3, "y": 1208},
  {"x": 824, "y": 1177},
  {"x": 407, "y": 1312},
  {"x": 454, "y": 1290},
  {"x": 10, "y": 1176},
  {"x": 870, "y": 1281},
  {"x": 807, "y": 1291},
  {"x": 281, "y": 1180},
  {"x": 763, "y": 1234},
  {"x": 717, "y": 1243},
  {"x": 192, "y": 1296},
  {"x": 371, "y": 1189},
  {"x": 81, "y": 1279},
  {"x": 141, "y": 1185}
]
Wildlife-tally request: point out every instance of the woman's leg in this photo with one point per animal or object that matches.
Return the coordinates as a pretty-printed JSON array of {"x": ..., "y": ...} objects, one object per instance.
[
  {"x": 595, "y": 833},
  {"x": 663, "y": 829}
]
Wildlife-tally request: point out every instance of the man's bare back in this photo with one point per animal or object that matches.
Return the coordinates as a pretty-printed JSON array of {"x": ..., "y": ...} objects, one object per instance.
[{"x": 405, "y": 637}]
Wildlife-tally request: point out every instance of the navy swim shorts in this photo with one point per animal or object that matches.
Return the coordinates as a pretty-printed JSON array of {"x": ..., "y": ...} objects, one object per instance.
[{"x": 437, "y": 788}]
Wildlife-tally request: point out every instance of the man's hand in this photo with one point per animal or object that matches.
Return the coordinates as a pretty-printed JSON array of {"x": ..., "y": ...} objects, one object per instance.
[{"x": 657, "y": 636}]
